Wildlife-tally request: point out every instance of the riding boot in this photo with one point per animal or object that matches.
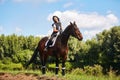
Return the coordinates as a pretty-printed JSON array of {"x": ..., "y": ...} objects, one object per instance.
[
  {"x": 45, "y": 49},
  {"x": 47, "y": 46}
]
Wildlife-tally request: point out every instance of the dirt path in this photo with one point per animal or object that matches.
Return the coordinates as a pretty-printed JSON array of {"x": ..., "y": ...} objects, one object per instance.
[{"x": 8, "y": 76}]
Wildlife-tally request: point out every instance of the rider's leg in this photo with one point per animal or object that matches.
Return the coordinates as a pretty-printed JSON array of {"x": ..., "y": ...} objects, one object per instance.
[{"x": 49, "y": 42}]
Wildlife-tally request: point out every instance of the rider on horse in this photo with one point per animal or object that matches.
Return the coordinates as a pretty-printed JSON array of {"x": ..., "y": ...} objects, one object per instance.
[{"x": 57, "y": 29}]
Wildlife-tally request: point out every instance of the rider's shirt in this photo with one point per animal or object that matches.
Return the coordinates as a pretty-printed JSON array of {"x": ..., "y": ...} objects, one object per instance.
[{"x": 57, "y": 26}]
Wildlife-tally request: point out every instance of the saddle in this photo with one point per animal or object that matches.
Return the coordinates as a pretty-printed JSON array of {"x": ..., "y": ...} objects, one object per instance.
[{"x": 51, "y": 41}]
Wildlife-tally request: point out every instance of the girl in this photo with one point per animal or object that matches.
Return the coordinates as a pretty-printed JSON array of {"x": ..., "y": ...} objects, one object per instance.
[{"x": 57, "y": 28}]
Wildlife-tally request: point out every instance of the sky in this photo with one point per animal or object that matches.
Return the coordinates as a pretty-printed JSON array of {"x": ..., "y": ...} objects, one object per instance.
[{"x": 34, "y": 17}]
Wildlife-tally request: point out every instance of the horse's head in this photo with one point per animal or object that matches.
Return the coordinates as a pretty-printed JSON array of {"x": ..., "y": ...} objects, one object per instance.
[{"x": 75, "y": 32}]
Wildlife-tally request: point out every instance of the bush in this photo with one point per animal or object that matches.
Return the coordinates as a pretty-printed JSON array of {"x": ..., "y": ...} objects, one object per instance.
[
  {"x": 11, "y": 66},
  {"x": 93, "y": 70},
  {"x": 22, "y": 56},
  {"x": 68, "y": 66},
  {"x": 6, "y": 60},
  {"x": 111, "y": 73},
  {"x": 77, "y": 71},
  {"x": 51, "y": 67}
]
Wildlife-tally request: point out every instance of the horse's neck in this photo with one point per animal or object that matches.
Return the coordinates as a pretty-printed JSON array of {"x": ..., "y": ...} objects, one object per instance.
[
  {"x": 64, "y": 39},
  {"x": 65, "y": 36}
]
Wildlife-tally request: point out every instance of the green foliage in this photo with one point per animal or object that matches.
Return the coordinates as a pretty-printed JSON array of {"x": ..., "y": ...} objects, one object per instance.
[
  {"x": 6, "y": 61},
  {"x": 16, "y": 50},
  {"x": 68, "y": 66},
  {"x": 110, "y": 50},
  {"x": 7, "y": 64},
  {"x": 22, "y": 56},
  {"x": 110, "y": 45},
  {"x": 78, "y": 71},
  {"x": 103, "y": 50},
  {"x": 11, "y": 66},
  {"x": 93, "y": 70},
  {"x": 12, "y": 44},
  {"x": 74, "y": 46}
]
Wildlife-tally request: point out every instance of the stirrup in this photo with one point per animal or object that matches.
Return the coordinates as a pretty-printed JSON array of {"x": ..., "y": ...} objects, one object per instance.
[{"x": 45, "y": 49}]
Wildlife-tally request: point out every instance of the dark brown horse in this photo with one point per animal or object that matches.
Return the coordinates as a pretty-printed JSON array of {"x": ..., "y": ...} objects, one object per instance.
[{"x": 59, "y": 50}]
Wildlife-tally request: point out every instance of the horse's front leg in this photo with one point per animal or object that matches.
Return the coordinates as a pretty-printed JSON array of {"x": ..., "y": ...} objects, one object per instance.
[
  {"x": 63, "y": 68},
  {"x": 57, "y": 66},
  {"x": 63, "y": 65}
]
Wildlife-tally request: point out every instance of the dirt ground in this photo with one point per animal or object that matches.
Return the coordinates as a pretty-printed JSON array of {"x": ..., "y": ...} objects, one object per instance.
[{"x": 8, "y": 76}]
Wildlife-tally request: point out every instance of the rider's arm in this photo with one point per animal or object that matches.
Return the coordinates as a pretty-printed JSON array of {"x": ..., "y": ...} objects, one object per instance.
[{"x": 54, "y": 29}]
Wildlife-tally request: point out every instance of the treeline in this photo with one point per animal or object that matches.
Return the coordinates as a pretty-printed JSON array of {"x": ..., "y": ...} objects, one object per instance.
[
  {"x": 17, "y": 49},
  {"x": 103, "y": 50}
]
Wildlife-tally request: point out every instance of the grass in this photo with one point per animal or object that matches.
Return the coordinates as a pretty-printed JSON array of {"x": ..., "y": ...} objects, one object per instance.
[
  {"x": 22, "y": 71},
  {"x": 68, "y": 76},
  {"x": 89, "y": 77}
]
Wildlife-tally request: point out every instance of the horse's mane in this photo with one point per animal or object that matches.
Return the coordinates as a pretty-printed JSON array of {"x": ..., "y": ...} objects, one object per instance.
[{"x": 66, "y": 29}]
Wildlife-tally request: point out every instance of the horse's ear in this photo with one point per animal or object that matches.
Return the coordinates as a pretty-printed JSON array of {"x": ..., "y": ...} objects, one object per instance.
[
  {"x": 70, "y": 23},
  {"x": 74, "y": 22}
]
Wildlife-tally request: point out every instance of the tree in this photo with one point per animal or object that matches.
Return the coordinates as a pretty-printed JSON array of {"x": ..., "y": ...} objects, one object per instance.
[
  {"x": 2, "y": 38},
  {"x": 110, "y": 48},
  {"x": 74, "y": 46}
]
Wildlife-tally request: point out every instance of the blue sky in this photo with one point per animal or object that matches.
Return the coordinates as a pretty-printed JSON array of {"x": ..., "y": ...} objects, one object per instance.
[{"x": 34, "y": 17}]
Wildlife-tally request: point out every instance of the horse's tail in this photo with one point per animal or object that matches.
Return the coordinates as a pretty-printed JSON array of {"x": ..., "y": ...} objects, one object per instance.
[{"x": 32, "y": 58}]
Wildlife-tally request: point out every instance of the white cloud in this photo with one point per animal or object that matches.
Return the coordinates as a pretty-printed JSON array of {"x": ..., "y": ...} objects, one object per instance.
[
  {"x": 90, "y": 33},
  {"x": 41, "y": 35},
  {"x": 67, "y": 4},
  {"x": 51, "y": 1},
  {"x": 2, "y": 1},
  {"x": 18, "y": 30},
  {"x": 19, "y": 0},
  {"x": 48, "y": 34},
  {"x": 109, "y": 11},
  {"x": 32, "y": 1},
  {"x": 35, "y": 1},
  {"x": 1, "y": 28},
  {"x": 91, "y": 23}
]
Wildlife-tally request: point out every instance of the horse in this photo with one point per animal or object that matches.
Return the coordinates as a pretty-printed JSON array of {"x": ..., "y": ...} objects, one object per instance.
[{"x": 59, "y": 50}]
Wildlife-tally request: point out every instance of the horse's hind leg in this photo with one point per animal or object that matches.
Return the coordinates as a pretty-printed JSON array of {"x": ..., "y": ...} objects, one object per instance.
[
  {"x": 43, "y": 69},
  {"x": 43, "y": 61}
]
